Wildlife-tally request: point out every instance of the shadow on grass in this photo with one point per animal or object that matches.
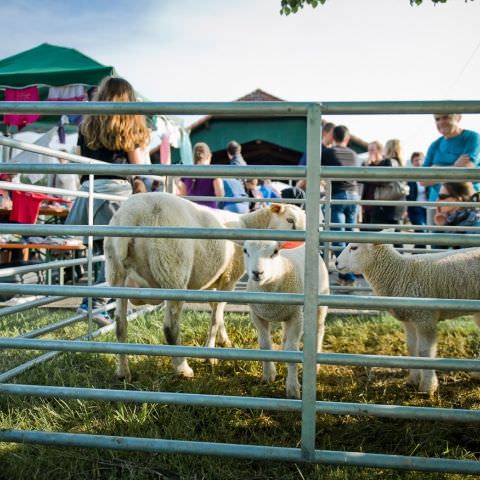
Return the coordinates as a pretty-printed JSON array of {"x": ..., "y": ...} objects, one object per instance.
[{"x": 261, "y": 427}]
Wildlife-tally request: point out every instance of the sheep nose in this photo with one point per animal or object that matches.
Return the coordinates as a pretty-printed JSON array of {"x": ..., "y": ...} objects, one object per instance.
[{"x": 256, "y": 275}]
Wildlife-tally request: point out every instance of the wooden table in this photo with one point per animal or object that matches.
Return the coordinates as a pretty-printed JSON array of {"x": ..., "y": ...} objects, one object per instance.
[
  {"x": 49, "y": 247},
  {"x": 49, "y": 210}
]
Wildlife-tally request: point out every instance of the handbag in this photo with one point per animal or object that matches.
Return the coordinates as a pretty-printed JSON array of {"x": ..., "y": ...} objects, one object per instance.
[{"x": 391, "y": 191}]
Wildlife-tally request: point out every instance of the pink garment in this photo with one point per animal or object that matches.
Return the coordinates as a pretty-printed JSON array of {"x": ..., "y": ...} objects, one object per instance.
[
  {"x": 29, "y": 94},
  {"x": 165, "y": 150}
]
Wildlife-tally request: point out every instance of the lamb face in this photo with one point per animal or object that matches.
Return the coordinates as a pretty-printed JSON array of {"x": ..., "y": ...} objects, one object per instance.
[
  {"x": 259, "y": 257},
  {"x": 288, "y": 217},
  {"x": 350, "y": 260}
]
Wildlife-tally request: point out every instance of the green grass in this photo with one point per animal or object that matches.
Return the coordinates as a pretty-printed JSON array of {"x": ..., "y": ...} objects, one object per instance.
[{"x": 335, "y": 383}]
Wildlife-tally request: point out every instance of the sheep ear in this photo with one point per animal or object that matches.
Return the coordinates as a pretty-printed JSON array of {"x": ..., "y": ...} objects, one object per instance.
[
  {"x": 385, "y": 230},
  {"x": 277, "y": 208}
]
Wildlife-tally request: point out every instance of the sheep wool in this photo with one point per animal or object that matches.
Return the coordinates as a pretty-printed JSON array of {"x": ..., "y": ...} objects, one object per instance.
[
  {"x": 181, "y": 263},
  {"x": 273, "y": 270},
  {"x": 452, "y": 274}
]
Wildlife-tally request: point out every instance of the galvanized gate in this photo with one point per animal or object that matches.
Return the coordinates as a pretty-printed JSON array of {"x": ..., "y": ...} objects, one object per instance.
[{"x": 308, "y": 406}]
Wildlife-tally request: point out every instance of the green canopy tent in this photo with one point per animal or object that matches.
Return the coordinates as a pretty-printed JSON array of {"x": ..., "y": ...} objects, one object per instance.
[
  {"x": 49, "y": 66},
  {"x": 52, "y": 66}
]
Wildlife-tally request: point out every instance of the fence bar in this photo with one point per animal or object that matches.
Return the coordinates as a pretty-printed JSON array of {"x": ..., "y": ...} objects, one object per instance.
[
  {"x": 194, "y": 171},
  {"x": 153, "y": 232},
  {"x": 323, "y": 201},
  {"x": 38, "y": 302},
  {"x": 25, "y": 187},
  {"x": 241, "y": 233},
  {"x": 165, "y": 398},
  {"x": 207, "y": 296},
  {"x": 362, "y": 360},
  {"x": 257, "y": 109},
  {"x": 64, "y": 323},
  {"x": 256, "y": 403},
  {"x": 250, "y": 452},
  {"x": 280, "y": 171},
  {"x": 8, "y": 271},
  {"x": 378, "y": 226},
  {"x": 8, "y": 375}
]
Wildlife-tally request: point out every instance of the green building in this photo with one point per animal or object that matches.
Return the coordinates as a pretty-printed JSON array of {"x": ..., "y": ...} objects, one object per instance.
[{"x": 265, "y": 141}]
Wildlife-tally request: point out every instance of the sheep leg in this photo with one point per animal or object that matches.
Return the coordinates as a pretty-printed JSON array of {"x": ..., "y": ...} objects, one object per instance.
[
  {"x": 171, "y": 330},
  {"x": 321, "y": 316},
  {"x": 122, "y": 372},
  {"x": 476, "y": 317},
  {"x": 265, "y": 343},
  {"x": 292, "y": 331},
  {"x": 427, "y": 347},
  {"x": 222, "y": 335},
  {"x": 217, "y": 329},
  {"x": 412, "y": 347}
]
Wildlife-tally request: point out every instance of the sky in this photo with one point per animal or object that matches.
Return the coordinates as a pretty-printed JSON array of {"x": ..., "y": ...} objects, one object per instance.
[{"x": 220, "y": 50}]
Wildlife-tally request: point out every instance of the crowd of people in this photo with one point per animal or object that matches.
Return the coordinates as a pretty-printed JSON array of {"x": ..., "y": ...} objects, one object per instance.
[
  {"x": 120, "y": 139},
  {"x": 455, "y": 147},
  {"x": 253, "y": 188}
]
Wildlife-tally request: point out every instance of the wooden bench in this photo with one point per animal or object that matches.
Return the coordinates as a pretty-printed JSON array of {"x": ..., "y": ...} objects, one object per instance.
[{"x": 26, "y": 248}]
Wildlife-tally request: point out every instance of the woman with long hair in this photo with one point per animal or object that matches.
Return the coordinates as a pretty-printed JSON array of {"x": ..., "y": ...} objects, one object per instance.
[
  {"x": 375, "y": 156},
  {"x": 393, "y": 157},
  {"x": 116, "y": 139}
]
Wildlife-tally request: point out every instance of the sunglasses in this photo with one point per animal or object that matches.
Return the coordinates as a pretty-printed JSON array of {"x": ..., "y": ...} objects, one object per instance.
[{"x": 444, "y": 196}]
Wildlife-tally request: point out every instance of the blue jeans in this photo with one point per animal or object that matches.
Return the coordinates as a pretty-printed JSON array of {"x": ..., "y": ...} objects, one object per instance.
[
  {"x": 344, "y": 214},
  {"x": 417, "y": 215}
]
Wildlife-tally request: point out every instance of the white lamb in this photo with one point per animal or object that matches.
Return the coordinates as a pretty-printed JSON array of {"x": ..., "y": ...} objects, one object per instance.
[
  {"x": 453, "y": 274},
  {"x": 271, "y": 269},
  {"x": 173, "y": 263}
]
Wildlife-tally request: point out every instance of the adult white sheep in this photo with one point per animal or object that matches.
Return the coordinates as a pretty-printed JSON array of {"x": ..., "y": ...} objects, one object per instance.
[
  {"x": 181, "y": 263},
  {"x": 271, "y": 269},
  {"x": 452, "y": 274}
]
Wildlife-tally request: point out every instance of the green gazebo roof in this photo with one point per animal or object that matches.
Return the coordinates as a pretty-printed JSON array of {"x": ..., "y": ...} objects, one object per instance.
[{"x": 51, "y": 65}]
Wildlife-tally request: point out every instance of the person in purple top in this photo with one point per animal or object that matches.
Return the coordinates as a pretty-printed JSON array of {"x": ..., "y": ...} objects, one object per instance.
[{"x": 202, "y": 187}]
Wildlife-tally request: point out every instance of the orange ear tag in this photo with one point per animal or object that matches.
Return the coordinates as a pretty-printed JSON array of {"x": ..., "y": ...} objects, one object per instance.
[{"x": 293, "y": 244}]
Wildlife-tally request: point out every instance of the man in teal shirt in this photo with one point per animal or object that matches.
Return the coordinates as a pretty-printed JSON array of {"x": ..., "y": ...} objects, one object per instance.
[{"x": 455, "y": 148}]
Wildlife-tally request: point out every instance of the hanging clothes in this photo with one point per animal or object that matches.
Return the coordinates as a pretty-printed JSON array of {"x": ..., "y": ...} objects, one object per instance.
[
  {"x": 29, "y": 94},
  {"x": 68, "y": 93},
  {"x": 186, "y": 149},
  {"x": 165, "y": 150}
]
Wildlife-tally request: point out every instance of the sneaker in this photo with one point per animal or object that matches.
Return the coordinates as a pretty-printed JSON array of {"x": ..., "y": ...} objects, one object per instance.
[
  {"x": 82, "y": 308},
  {"x": 345, "y": 283},
  {"x": 102, "y": 318}
]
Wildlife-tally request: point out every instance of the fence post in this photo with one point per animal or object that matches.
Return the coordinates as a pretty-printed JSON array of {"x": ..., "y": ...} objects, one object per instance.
[{"x": 309, "y": 385}]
